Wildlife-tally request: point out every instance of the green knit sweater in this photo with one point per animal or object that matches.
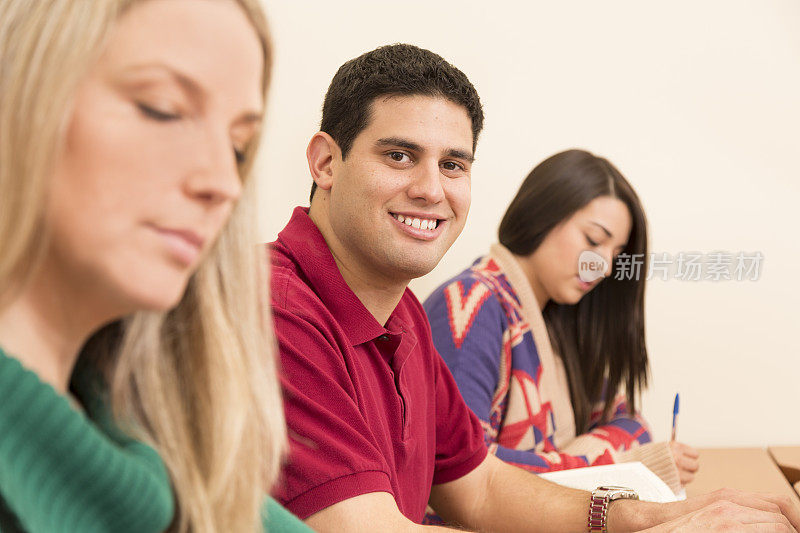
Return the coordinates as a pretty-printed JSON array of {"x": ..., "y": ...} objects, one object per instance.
[{"x": 63, "y": 470}]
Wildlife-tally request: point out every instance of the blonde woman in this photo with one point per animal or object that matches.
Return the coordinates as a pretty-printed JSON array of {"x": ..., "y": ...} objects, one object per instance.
[{"x": 137, "y": 386}]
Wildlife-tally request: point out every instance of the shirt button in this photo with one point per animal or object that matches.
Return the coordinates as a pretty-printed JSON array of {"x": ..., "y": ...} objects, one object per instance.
[{"x": 383, "y": 338}]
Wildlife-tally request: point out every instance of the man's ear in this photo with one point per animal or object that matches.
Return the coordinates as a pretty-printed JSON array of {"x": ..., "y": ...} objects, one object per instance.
[{"x": 321, "y": 152}]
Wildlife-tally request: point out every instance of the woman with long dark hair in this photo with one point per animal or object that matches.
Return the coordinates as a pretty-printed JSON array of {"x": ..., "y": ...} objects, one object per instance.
[{"x": 551, "y": 360}]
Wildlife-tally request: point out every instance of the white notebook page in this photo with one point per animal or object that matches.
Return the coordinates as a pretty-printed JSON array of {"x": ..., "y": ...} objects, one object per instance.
[{"x": 635, "y": 476}]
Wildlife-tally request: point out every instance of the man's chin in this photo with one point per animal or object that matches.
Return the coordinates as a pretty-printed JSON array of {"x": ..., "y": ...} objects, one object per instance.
[{"x": 417, "y": 267}]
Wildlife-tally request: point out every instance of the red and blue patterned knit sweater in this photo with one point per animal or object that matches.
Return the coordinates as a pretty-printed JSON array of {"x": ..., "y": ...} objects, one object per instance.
[{"x": 489, "y": 329}]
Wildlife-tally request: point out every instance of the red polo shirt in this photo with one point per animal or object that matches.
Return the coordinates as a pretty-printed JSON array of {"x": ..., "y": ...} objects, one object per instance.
[{"x": 369, "y": 408}]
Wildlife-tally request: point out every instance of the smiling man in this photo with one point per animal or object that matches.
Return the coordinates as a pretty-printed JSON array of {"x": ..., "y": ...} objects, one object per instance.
[{"x": 378, "y": 428}]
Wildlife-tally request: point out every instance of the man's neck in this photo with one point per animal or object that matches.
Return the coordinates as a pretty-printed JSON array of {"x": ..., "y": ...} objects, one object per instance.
[
  {"x": 380, "y": 298},
  {"x": 378, "y": 293}
]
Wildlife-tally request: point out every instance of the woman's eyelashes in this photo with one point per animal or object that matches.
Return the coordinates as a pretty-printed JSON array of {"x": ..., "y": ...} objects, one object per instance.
[
  {"x": 590, "y": 241},
  {"x": 164, "y": 116},
  {"x": 157, "y": 114}
]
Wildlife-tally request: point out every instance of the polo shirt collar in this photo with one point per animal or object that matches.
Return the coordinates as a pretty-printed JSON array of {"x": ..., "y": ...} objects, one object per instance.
[{"x": 314, "y": 259}]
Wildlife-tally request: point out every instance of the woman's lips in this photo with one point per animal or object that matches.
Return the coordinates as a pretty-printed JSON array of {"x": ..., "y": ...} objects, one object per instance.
[
  {"x": 184, "y": 245},
  {"x": 586, "y": 285}
]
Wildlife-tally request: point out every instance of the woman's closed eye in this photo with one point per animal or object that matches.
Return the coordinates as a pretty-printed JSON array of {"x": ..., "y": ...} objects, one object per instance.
[{"x": 157, "y": 114}]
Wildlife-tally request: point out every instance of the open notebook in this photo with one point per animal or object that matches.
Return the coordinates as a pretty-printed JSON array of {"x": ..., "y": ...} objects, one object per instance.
[{"x": 635, "y": 476}]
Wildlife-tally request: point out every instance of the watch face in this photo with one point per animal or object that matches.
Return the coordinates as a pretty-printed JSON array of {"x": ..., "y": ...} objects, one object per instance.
[{"x": 616, "y": 493}]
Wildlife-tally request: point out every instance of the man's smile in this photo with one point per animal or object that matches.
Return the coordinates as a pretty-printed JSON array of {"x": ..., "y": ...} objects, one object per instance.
[
  {"x": 419, "y": 227},
  {"x": 419, "y": 222}
]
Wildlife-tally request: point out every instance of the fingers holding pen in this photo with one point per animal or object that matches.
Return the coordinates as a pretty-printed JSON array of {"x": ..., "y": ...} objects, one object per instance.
[{"x": 686, "y": 459}]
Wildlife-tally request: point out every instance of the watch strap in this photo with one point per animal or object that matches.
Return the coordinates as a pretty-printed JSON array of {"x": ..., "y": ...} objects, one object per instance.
[{"x": 599, "y": 502}]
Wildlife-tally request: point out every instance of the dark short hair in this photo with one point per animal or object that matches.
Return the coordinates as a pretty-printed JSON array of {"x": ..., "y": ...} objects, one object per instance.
[
  {"x": 601, "y": 339},
  {"x": 397, "y": 69}
]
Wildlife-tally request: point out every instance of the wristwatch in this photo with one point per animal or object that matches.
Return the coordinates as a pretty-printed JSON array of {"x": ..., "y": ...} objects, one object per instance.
[{"x": 598, "y": 505}]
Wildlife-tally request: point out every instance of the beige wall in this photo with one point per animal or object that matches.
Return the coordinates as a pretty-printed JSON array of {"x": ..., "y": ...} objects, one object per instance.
[{"x": 698, "y": 103}]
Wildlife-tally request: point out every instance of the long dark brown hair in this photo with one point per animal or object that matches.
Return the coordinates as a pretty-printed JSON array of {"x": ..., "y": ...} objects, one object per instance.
[{"x": 601, "y": 338}]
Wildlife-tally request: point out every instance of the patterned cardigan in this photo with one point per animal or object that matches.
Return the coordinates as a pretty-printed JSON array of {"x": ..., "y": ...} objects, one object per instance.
[{"x": 488, "y": 327}]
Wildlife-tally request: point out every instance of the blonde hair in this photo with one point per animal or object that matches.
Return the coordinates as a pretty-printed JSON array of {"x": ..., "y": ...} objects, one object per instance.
[{"x": 200, "y": 381}]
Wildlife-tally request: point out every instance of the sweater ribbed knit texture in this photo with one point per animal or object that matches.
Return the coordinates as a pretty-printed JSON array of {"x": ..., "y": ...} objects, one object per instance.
[{"x": 62, "y": 470}]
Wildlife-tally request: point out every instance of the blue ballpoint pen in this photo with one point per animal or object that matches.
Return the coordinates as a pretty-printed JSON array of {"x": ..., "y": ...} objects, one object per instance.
[{"x": 675, "y": 408}]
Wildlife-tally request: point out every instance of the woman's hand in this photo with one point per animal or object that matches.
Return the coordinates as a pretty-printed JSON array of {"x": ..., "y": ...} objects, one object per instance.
[{"x": 686, "y": 459}]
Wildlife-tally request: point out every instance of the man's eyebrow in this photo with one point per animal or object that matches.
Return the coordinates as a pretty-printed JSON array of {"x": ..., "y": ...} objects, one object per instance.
[
  {"x": 461, "y": 154},
  {"x": 398, "y": 141},
  {"x": 410, "y": 145},
  {"x": 602, "y": 228}
]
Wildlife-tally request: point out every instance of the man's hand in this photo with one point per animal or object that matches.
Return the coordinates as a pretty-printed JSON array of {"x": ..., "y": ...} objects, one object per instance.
[
  {"x": 725, "y": 516},
  {"x": 686, "y": 460},
  {"x": 725, "y": 508}
]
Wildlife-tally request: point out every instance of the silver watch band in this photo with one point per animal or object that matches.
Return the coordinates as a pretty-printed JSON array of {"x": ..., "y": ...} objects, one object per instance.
[{"x": 598, "y": 504}]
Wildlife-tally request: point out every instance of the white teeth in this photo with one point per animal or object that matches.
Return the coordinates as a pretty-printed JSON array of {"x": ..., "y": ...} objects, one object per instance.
[{"x": 420, "y": 223}]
